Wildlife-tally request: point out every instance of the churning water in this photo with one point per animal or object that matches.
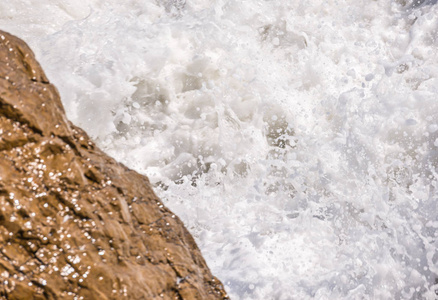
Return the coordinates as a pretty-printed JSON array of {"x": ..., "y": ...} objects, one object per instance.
[{"x": 297, "y": 140}]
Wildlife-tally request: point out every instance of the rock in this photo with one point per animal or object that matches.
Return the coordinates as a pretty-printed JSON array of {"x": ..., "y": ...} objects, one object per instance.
[{"x": 74, "y": 223}]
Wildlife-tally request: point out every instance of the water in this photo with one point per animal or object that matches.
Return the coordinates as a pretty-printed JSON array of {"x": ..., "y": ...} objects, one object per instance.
[{"x": 297, "y": 140}]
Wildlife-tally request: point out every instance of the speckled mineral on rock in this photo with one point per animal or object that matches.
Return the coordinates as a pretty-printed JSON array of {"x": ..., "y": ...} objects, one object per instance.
[{"x": 74, "y": 223}]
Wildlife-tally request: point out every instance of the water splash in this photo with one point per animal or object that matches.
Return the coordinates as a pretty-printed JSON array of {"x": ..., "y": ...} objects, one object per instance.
[{"x": 297, "y": 141}]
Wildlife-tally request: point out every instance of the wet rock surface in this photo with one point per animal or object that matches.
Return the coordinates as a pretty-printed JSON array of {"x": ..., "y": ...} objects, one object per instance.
[{"x": 74, "y": 223}]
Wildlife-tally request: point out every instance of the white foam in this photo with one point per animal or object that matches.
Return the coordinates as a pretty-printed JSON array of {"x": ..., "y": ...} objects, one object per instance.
[{"x": 295, "y": 140}]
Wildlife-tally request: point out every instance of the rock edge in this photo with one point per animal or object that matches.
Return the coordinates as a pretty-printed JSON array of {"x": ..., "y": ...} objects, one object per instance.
[{"x": 74, "y": 223}]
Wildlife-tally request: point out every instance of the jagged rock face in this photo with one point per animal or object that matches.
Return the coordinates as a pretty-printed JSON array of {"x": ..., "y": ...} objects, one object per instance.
[{"x": 74, "y": 223}]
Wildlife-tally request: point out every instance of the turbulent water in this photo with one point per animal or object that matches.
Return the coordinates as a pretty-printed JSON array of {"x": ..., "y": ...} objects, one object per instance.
[{"x": 297, "y": 140}]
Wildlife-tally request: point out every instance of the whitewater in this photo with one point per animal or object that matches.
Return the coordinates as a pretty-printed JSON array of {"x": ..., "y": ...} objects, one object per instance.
[{"x": 297, "y": 140}]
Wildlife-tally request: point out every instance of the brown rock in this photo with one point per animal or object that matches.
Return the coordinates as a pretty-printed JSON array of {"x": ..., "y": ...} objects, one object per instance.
[{"x": 74, "y": 223}]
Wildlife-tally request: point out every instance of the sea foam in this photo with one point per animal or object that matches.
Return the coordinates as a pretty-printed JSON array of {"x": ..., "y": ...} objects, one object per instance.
[{"x": 297, "y": 140}]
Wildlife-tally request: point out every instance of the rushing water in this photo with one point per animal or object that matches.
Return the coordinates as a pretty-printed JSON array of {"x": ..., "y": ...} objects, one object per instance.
[{"x": 297, "y": 140}]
